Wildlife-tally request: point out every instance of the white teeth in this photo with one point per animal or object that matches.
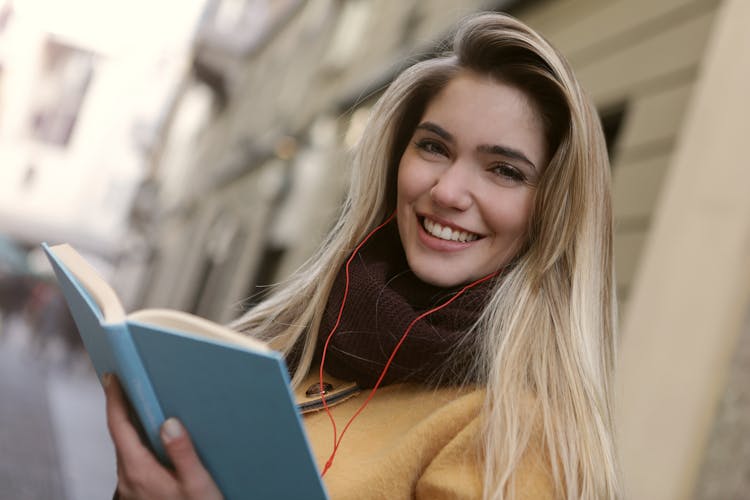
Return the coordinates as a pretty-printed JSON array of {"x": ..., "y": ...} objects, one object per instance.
[{"x": 446, "y": 233}]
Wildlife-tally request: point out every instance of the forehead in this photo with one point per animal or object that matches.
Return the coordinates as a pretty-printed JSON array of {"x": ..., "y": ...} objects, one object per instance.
[{"x": 479, "y": 110}]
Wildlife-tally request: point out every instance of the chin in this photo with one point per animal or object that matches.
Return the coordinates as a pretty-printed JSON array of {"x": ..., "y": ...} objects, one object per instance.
[{"x": 440, "y": 279}]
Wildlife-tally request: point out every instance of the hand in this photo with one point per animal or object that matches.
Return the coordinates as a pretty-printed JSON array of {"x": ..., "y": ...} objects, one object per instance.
[{"x": 139, "y": 473}]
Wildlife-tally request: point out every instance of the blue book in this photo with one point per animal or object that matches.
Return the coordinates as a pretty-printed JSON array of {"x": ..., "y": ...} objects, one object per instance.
[{"x": 230, "y": 391}]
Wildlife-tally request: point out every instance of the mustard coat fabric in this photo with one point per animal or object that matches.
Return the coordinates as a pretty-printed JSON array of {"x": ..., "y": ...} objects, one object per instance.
[{"x": 412, "y": 442}]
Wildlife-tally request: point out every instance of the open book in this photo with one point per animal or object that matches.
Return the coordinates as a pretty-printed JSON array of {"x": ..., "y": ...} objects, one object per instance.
[{"x": 231, "y": 392}]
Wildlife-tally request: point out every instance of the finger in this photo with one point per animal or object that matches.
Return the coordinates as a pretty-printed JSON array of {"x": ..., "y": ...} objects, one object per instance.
[
  {"x": 127, "y": 442},
  {"x": 187, "y": 464},
  {"x": 139, "y": 473}
]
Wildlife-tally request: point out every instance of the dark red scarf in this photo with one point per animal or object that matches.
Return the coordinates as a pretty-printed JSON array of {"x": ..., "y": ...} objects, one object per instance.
[{"x": 384, "y": 297}]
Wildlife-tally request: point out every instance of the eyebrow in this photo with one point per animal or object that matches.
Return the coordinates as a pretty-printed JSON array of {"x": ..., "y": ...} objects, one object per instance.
[{"x": 495, "y": 149}]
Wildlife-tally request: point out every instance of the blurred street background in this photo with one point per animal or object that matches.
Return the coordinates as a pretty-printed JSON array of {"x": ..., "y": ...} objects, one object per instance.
[
  {"x": 195, "y": 151},
  {"x": 53, "y": 434}
]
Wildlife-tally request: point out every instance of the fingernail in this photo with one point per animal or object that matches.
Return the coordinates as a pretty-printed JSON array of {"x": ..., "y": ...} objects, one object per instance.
[
  {"x": 106, "y": 379},
  {"x": 172, "y": 429}
]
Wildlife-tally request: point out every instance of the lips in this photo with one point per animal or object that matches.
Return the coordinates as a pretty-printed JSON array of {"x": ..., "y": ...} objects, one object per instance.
[{"x": 447, "y": 233}]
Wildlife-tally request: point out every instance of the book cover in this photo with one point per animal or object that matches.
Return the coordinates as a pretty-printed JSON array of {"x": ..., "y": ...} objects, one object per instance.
[{"x": 232, "y": 393}]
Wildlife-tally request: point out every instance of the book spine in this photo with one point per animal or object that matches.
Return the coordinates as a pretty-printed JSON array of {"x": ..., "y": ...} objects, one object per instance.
[{"x": 137, "y": 385}]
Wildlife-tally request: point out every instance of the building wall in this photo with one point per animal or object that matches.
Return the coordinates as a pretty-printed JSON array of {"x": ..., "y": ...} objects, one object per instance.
[
  {"x": 725, "y": 465},
  {"x": 642, "y": 56},
  {"x": 683, "y": 332}
]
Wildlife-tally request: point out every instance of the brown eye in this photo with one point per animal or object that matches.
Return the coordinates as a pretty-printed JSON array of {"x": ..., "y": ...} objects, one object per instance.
[
  {"x": 508, "y": 172},
  {"x": 431, "y": 147}
]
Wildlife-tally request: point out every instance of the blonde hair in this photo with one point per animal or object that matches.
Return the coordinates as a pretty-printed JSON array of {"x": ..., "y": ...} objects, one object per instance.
[{"x": 546, "y": 338}]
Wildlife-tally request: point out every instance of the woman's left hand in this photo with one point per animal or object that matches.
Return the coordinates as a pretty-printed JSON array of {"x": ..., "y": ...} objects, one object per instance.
[{"x": 139, "y": 473}]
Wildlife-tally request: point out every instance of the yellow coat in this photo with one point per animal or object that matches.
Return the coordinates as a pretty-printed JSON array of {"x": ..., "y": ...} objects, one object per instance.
[{"x": 410, "y": 442}]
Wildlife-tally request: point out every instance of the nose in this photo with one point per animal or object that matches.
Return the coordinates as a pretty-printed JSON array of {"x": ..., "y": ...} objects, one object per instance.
[{"x": 452, "y": 188}]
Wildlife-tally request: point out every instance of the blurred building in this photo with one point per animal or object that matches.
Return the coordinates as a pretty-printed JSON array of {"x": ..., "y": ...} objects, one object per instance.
[
  {"x": 80, "y": 99},
  {"x": 249, "y": 171}
]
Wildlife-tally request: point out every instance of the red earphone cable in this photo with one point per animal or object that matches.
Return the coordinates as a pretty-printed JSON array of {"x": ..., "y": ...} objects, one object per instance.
[
  {"x": 333, "y": 330},
  {"x": 337, "y": 439}
]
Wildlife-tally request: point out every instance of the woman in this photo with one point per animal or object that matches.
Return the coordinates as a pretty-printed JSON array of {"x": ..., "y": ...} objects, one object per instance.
[{"x": 483, "y": 315}]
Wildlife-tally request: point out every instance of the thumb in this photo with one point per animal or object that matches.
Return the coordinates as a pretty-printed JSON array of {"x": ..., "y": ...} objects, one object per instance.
[{"x": 181, "y": 452}]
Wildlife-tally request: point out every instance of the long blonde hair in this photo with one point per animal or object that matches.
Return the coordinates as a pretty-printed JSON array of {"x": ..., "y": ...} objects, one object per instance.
[{"x": 546, "y": 338}]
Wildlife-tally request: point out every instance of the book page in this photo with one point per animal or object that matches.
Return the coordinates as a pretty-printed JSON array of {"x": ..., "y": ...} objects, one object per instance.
[
  {"x": 188, "y": 323},
  {"x": 103, "y": 294}
]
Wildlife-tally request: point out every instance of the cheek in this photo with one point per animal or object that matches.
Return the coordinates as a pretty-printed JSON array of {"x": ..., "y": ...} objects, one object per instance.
[
  {"x": 510, "y": 215},
  {"x": 413, "y": 180}
]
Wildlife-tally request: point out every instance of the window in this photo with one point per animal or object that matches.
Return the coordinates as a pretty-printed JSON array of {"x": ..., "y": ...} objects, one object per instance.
[
  {"x": 64, "y": 78},
  {"x": 612, "y": 119}
]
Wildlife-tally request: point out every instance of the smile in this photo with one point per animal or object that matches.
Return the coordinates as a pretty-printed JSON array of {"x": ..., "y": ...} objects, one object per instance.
[{"x": 447, "y": 233}]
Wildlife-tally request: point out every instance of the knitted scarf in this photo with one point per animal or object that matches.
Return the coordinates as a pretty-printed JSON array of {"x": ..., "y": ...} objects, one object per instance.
[{"x": 384, "y": 297}]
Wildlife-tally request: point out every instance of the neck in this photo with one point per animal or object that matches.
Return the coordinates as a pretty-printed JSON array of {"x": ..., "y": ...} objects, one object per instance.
[{"x": 367, "y": 320}]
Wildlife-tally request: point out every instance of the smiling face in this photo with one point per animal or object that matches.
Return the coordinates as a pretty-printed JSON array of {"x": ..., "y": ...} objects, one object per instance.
[{"x": 466, "y": 180}]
